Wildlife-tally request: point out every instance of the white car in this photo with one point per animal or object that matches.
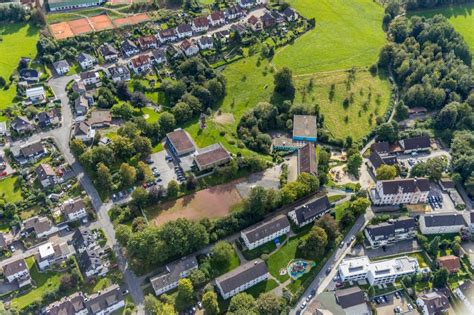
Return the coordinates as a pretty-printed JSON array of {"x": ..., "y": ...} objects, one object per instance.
[
  {"x": 303, "y": 305},
  {"x": 12, "y": 248}
]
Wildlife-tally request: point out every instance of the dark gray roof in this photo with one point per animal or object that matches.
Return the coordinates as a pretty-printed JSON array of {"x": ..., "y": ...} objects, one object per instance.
[
  {"x": 350, "y": 297},
  {"x": 20, "y": 123},
  {"x": 377, "y": 160},
  {"x": 467, "y": 288},
  {"x": 85, "y": 57},
  {"x": 118, "y": 71},
  {"x": 104, "y": 299},
  {"x": 31, "y": 149},
  {"x": 312, "y": 209},
  {"x": 436, "y": 302},
  {"x": 391, "y": 187},
  {"x": 445, "y": 219},
  {"x": 241, "y": 275},
  {"x": 205, "y": 40},
  {"x": 381, "y": 147},
  {"x": 289, "y": 12},
  {"x": 108, "y": 50},
  {"x": 267, "y": 228},
  {"x": 43, "y": 171},
  {"x": 14, "y": 267},
  {"x": 184, "y": 28},
  {"x": 422, "y": 142},
  {"x": 73, "y": 206},
  {"x": 173, "y": 272},
  {"x": 88, "y": 75},
  {"x": 88, "y": 260},
  {"x": 69, "y": 305},
  {"x": 159, "y": 53},
  {"x": 472, "y": 216},
  {"x": 387, "y": 229},
  {"x": 60, "y": 64},
  {"x": 82, "y": 237}
]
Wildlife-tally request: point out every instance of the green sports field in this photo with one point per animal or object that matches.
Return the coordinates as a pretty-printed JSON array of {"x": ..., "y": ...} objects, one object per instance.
[
  {"x": 18, "y": 40},
  {"x": 460, "y": 16}
]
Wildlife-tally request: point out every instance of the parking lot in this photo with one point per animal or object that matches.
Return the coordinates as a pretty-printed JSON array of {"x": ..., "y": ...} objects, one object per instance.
[
  {"x": 394, "y": 304},
  {"x": 165, "y": 168}
]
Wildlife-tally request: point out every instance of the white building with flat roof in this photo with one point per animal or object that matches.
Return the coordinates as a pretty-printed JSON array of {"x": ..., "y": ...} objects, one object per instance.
[{"x": 378, "y": 272}]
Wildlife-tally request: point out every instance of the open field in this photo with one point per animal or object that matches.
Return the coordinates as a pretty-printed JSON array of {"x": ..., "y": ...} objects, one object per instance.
[
  {"x": 10, "y": 190},
  {"x": 18, "y": 40},
  {"x": 210, "y": 203},
  {"x": 347, "y": 34},
  {"x": 460, "y": 16},
  {"x": 370, "y": 96}
]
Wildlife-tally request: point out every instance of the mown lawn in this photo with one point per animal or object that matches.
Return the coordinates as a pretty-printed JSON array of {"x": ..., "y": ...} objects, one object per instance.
[
  {"x": 10, "y": 189},
  {"x": 460, "y": 16},
  {"x": 262, "y": 287},
  {"x": 339, "y": 209},
  {"x": 18, "y": 40},
  {"x": 150, "y": 114}
]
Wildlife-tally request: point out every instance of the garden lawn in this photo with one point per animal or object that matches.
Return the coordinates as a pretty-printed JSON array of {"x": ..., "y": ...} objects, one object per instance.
[
  {"x": 150, "y": 114},
  {"x": 18, "y": 40},
  {"x": 339, "y": 209},
  {"x": 10, "y": 190},
  {"x": 234, "y": 263},
  {"x": 370, "y": 99},
  {"x": 264, "y": 249},
  {"x": 460, "y": 16},
  {"x": 262, "y": 287}
]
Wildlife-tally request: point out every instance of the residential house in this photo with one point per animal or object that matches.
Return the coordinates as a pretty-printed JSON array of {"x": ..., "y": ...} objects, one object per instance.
[
  {"x": 30, "y": 76},
  {"x": 254, "y": 23},
  {"x": 108, "y": 52},
  {"x": 6, "y": 239},
  {"x": 17, "y": 271},
  {"x": 175, "y": 271},
  {"x": 447, "y": 184},
  {"x": 465, "y": 293},
  {"x": 140, "y": 64},
  {"x": 81, "y": 106},
  {"x": 40, "y": 226},
  {"x": 304, "y": 128},
  {"x": 63, "y": 5},
  {"x": 119, "y": 73},
  {"x": 290, "y": 14},
  {"x": 49, "y": 118},
  {"x": 200, "y": 24},
  {"x": 246, "y": 4},
  {"x": 450, "y": 262},
  {"x": 441, "y": 223},
  {"x": 222, "y": 36},
  {"x": 49, "y": 254},
  {"x": 83, "y": 131},
  {"x": 100, "y": 119},
  {"x": 28, "y": 153},
  {"x": 309, "y": 212},
  {"x": 307, "y": 159},
  {"x": 189, "y": 48},
  {"x": 159, "y": 56},
  {"x": 184, "y": 30},
  {"x": 433, "y": 303},
  {"x": 91, "y": 264},
  {"x": 234, "y": 12},
  {"x": 90, "y": 77},
  {"x": 376, "y": 160},
  {"x": 377, "y": 272},
  {"x": 3, "y": 129},
  {"x": 46, "y": 175},
  {"x": 168, "y": 35},
  {"x": 211, "y": 157},
  {"x": 74, "y": 209},
  {"x": 128, "y": 48},
  {"x": 216, "y": 18},
  {"x": 79, "y": 87},
  {"x": 86, "y": 60},
  {"x": 73, "y": 304},
  {"x": 205, "y": 42},
  {"x": 147, "y": 42},
  {"x": 265, "y": 232},
  {"x": 268, "y": 20},
  {"x": 21, "y": 125},
  {"x": 36, "y": 94},
  {"x": 84, "y": 239},
  {"x": 61, "y": 67},
  {"x": 382, "y": 148},
  {"x": 400, "y": 191},
  {"x": 415, "y": 144},
  {"x": 352, "y": 300},
  {"x": 388, "y": 233},
  {"x": 179, "y": 142},
  {"x": 106, "y": 301}
]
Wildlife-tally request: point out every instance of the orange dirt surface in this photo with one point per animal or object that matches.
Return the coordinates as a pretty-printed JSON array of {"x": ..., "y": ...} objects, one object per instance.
[
  {"x": 214, "y": 202},
  {"x": 101, "y": 22},
  {"x": 135, "y": 19},
  {"x": 80, "y": 26},
  {"x": 61, "y": 30}
]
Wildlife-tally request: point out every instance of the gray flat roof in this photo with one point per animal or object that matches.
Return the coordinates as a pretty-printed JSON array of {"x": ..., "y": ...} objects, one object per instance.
[{"x": 304, "y": 126}]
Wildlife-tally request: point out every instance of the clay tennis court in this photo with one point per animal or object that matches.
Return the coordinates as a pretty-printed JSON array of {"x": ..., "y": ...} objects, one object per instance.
[
  {"x": 214, "y": 202},
  {"x": 80, "y": 26},
  {"x": 130, "y": 20},
  {"x": 101, "y": 22},
  {"x": 61, "y": 30}
]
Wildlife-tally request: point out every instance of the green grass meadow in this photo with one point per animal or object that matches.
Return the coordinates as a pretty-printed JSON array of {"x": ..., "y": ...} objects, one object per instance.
[
  {"x": 10, "y": 190},
  {"x": 460, "y": 16}
]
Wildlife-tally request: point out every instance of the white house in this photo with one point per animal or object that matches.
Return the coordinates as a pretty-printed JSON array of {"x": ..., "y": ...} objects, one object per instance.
[
  {"x": 442, "y": 223},
  {"x": 175, "y": 271},
  {"x": 86, "y": 60},
  {"x": 90, "y": 77},
  {"x": 216, "y": 18},
  {"x": 159, "y": 56},
  {"x": 265, "y": 232},
  {"x": 140, "y": 64},
  {"x": 108, "y": 52},
  {"x": 200, "y": 24},
  {"x": 119, "y": 73},
  {"x": 400, "y": 191},
  {"x": 242, "y": 278},
  {"x": 310, "y": 211},
  {"x": 61, "y": 67},
  {"x": 388, "y": 233},
  {"x": 377, "y": 272},
  {"x": 205, "y": 42},
  {"x": 50, "y": 253},
  {"x": 72, "y": 304},
  {"x": 63, "y": 5},
  {"x": 74, "y": 209},
  {"x": 167, "y": 35},
  {"x": 189, "y": 48},
  {"x": 247, "y": 3},
  {"x": 432, "y": 303},
  {"x": 41, "y": 226},
  {"x": 465, "y": 293},
  {"x": 105, "y": 301},
  {"x": 184, "y": 30},
  {"x": 46, "y": 175},
  {"x": 17, "y": 271},
  {"x": 36, "y": 94},
  {"x": 83, "y": 131}
]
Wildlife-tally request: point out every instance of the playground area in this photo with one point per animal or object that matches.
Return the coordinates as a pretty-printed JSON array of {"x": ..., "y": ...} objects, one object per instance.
[
  {"x": 63, "y": 30},
  {"x": 297, "y": 268}
]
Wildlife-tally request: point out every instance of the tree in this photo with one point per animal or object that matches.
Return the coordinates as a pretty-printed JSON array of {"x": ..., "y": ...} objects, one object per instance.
[
  {"x": 283, "y": 81},
  {"x": 167, "y": 122},
  {"x": 371, "y": 292},
  {"x": 314, "y": 245},
  {"x": 77, "y": 147},
  {"x": 104, "y": 178},
  {"x": 385, "y": 172},
  {"x": 142, "y": 146},
  {"x": 440, "y": 278},
  {"x": 156, "y": 307},
  {"x": 123, "y": 234},
  {"x": 387, "y": 132},
  {"x": 128, "y": 174},
  {"x": 140, "y": 196},
  {"x": 185, "y": 294},
  {"x": 210, "y": 304},
  {"x": 354, "y": 163},
  {"x": 330, "y": 226},
  {"x": 222, "y": 253},
  {"x": 347, "y": 219},
  {"x": 268, "y": 304},
  {"x": 198, "y": 278},
  {"x": 182, "y": 112},
  {"x": 173, "y": 188},
  {"x": 434, "y": 246},
  {"x": 138, "y": 100},
  {"x": 242, "y": 303}
]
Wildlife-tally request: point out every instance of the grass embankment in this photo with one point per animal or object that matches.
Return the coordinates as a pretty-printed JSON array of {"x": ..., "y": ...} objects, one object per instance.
[{"x": 460, "y": 16}]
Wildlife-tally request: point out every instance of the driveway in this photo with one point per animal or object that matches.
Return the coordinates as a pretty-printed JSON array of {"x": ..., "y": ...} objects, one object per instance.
[
  {"x": 401, "y": 247},
  {"x": 165, "y": 168},
  {"x": 270, "y": 178}
]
